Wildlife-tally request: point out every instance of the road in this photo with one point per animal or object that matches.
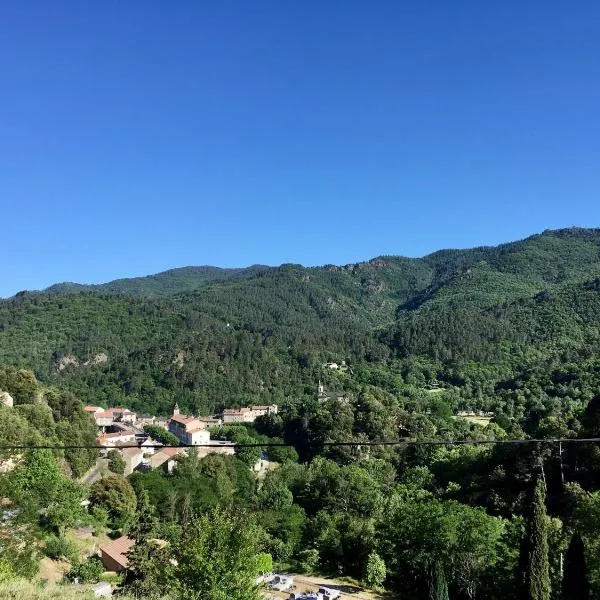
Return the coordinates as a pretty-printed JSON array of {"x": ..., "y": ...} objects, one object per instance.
[{"x": 95, "y": 472}]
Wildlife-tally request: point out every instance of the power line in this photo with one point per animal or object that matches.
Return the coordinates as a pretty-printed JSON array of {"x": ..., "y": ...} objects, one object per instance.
[{"x": 406, "y": 442}]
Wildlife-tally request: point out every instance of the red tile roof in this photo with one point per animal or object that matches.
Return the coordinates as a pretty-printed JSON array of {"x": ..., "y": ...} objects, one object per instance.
[{"x": 182, "y": 419}]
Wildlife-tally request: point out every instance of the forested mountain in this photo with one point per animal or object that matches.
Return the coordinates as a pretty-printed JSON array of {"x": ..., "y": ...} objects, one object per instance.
[
  {"x": 474, "y": 320},
  {"x": 512, "y": 330},
  {"x": 167, "y": 283}
]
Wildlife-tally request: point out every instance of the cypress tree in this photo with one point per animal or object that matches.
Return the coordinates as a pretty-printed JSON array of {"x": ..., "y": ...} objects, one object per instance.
[
  {"x": 538, "y": 572},
  {"x": 575, "y": 583},
  {"x": 438, "y": 586}
]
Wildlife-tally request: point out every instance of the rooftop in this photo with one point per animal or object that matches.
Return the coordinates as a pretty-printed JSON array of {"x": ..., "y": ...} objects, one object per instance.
[{"x": 118, "y": 549}]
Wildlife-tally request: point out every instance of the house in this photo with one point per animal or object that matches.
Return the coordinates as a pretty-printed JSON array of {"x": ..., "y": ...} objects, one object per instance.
[
  {"x": 247, "y": 414},
  {"x": 189, "y": 430},
  {"x": 106, "y": 418},
  {"x": 210, "y": 421},
  {"x": 116, "y": 439},
  {"x": 145, "y": 420},
  {"x": 162, "y": 422},
  {"x": 114, "y": 554},
  {"x": 149, "y": 445},
  {"x": 323, "y": 395},
  {"x": 166, "y": 459},
  {"x": 92, "y": 410},
  {"x": 217, "y": 447},
  {"x": 103, "y": 418},
  {"x": 133, "y": 457}
]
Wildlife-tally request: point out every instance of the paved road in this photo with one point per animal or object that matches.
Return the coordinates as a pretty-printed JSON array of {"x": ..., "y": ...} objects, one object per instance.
[{"x": 95, "y": 472}]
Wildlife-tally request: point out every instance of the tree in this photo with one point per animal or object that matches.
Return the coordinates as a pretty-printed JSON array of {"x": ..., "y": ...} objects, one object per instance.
[
  {"x": 219, "y": 557},
  {"x": 161, "y": 435},
  {"x": 43, "y": 493},
  {"x": 116, "y": 464},
  {"x": 438, "y": 586},
  {"x": 575, "y": 582},
  {"x": 115, "y": 494},
  {"x": 375, "y": 571},
  {"x": 537, "y": 576},
  {"x": 145, "y": 576}
]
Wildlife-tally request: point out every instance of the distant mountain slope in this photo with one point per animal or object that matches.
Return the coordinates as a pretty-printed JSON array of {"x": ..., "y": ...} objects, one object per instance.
[
  {"x": 167, "y": 283},
  {"x": 209, "y": 337}
]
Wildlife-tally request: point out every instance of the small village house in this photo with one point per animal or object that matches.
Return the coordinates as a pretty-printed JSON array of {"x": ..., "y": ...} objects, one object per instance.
[
  {"x": 247, "y": 414},
  {"x": 114, "y": 554}
]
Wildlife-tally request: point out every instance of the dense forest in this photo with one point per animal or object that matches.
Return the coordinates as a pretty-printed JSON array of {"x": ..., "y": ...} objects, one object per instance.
[{"x": 507, "y": 334}]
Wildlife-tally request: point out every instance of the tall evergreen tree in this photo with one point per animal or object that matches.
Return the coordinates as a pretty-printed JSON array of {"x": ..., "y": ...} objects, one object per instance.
[
  {"x": 438, "y": 586},
  {"x": 537, "y": 579},
  {"x": 575, "y": 582}
]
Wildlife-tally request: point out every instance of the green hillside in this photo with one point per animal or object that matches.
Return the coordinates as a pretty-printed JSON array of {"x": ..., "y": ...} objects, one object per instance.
[
  {"x": 167, "y": 283},
  {"x": 264, "y": 334},
  {"x": 513, "y": 331}
]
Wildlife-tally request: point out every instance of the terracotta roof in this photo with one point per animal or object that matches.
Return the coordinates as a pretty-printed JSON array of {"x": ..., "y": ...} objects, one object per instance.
[
  {"x": 104, "y": 414},
  {"x": 181, "y": 419},
  {"x": 162, "y": 456},
  {"x": 93, "y": 409},
  {"x": 130, "y": 452},
  {"x": 117, "y": 549},
  {"x": 236, "y": 411},
  {"x": 195, "y": 429}
]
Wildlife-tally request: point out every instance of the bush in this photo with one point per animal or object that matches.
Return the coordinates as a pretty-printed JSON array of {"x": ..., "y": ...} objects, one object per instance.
[
  {"x": 59, "y": 547},
  {"x": 308, "y": 560},
  {"x": 89, "y": 571},
  {"x": 116, "y": 464}
]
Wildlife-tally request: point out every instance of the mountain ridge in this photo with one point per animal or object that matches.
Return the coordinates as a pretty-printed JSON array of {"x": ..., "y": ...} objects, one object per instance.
[
  {"x": 190, "y": 278},
  {"x": 481, "y": 316}
]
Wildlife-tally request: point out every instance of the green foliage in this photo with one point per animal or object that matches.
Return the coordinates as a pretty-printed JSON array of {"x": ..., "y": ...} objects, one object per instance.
[
  {"x": 114, "y": 494},
  {"x": 161, "y": 435},
  {"x": 438, "y": 588},
  {"x": 88, "y": 571},
  {"x": 145, "y": 577},
  {"x": 59, "y": 547},
  {"x": 43, "y": 494},
  {"x": 308, "y": 560},
  {"x": 116, "y": 464},
  {"x": 375, "y": 571},
  {"x": 219, "y": 558},
  {"x": 537, "y": 579}
]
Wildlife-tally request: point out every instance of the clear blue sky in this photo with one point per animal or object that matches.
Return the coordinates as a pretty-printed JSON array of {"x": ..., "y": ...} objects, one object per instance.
[{"x": 141, "y": 135}]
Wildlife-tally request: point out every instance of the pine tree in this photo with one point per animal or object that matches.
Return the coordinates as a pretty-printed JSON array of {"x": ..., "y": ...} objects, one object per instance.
[
  {"x": 438, "y": 586},
  {"x": 575, "y": 582},
  {"x": 537, "y": 579}
]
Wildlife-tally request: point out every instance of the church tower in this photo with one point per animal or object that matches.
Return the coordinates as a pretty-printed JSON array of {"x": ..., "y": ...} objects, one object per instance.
[{"x": 176, "y": 410}]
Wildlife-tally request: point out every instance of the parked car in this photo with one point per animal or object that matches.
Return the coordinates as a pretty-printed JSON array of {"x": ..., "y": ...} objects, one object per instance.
[
  {"x": 281, "y": 583},
  {"x": 328, "y": 593}
]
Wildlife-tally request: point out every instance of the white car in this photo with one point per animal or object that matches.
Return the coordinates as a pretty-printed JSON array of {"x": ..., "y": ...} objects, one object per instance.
[
  {"x": 328, "y": 594},
  {"x": 281, "y": 583}
]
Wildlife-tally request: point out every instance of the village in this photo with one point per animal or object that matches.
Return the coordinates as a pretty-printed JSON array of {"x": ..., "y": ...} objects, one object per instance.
[{"x": 123, "y": 430}]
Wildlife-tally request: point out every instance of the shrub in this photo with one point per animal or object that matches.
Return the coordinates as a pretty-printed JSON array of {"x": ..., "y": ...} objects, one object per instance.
[
  {"x": 89, "y": 571},
  {"x": 59, "y": 547}
]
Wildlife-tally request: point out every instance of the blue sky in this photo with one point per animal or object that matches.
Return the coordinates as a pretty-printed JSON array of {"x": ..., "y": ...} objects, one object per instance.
[{"x": 142, "y": 135}]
